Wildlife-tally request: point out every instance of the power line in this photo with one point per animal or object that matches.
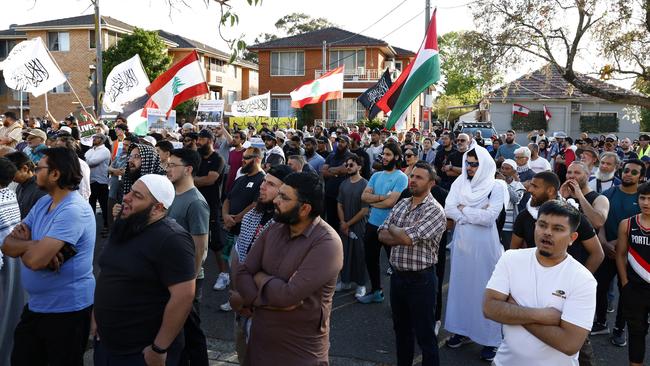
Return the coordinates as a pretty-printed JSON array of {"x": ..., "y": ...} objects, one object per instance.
[
  {"x": 371, "y": 25},
  {"x": 403, "y": 24}
]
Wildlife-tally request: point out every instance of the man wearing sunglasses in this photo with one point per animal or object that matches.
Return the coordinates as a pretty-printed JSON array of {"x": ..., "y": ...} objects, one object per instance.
[{"x": 623, "y": 204}]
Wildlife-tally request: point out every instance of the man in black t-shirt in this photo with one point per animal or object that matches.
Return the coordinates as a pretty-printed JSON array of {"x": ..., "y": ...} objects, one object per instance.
[
  {"x": 449, "y": 160},
  {"x": 146, "y": 285},
  {"x": 208, "y": 180}
]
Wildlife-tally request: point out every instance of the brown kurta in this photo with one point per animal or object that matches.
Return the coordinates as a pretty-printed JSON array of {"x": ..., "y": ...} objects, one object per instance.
[{"x": 304, "y": 271}]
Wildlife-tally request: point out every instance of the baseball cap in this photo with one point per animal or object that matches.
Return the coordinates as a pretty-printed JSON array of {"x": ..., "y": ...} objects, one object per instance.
[
  {"x": 322, "y": 140},
  {"x": 611, "y": 136},
  {"x": 344, "y": 138},
  {"x": 645, "y": 158},
  {"x": 65, "y": 130},
  {"x": 206, "y": 134},
  {"x": 588, "y": 150},
  {"x": 188, "y": 126},
  {"x": 355, "y": 136},
  {"x": 280, "y": 135},
  {"x": 375, "y": 131},
  {"x": 38, "y": 133},
  {"x": 559, "y": 135},
  {"x": 269, "y": 135},
  {"x": 160, "y": 188},
  {"x": 644, "y": 137}
]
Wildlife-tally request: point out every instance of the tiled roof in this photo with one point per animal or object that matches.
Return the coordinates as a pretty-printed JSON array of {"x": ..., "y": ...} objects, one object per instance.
[
  {"x": 547, "y": 83},
  {"x": 401, "y": 52},
  {"x": 7, "y": 33},
  {"x": 334, "y": 35},
  {"x": 82, "y": 20}
]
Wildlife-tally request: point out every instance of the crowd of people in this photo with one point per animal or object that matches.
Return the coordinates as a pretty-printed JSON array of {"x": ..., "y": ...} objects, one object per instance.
[{"x": 536, "y": 235}]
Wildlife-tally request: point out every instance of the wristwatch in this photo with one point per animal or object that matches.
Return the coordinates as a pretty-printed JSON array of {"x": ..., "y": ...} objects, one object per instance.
[{"x": 158, "y": 349}]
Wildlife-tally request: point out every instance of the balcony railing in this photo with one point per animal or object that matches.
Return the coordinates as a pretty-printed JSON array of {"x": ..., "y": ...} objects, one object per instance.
[{"x": 358, "y": 74}]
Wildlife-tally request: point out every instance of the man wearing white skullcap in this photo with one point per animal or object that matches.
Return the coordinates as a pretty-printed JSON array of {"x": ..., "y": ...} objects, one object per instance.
[
  {"x": 147, "y": 280},
  {"x": 516, "y": 191}
]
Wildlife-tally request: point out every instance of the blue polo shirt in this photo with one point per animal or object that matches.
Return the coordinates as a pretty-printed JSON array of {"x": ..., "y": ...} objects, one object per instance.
[{"x": 72, "y": 288}]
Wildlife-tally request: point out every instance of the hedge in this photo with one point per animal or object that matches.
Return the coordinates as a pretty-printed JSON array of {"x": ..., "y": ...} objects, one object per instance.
[
  {"x": 533, "y": 121},
  {"x": 598, "y": 124}
]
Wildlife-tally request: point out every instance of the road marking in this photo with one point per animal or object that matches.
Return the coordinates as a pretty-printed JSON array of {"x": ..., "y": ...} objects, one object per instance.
[{"x": 344, "y": 305}]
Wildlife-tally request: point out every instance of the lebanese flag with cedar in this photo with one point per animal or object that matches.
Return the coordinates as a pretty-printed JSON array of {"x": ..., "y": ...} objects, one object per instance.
[
  {"x": 327, "y": 87},
  {"x": 520, "y": 110},
  {"x": 183, "y": 81},
  {"x": 547, "y": 114}
]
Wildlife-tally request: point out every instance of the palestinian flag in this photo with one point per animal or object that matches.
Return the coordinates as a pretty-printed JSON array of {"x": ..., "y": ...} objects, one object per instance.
[
  {"x": 183, "y": 81},
  {"x": 425, "y": 71}
]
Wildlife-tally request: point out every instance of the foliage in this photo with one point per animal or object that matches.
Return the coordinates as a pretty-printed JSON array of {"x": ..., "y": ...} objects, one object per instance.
[
  {"x": 440, "y": 108},
  {"x": 468, "y": 72},
  {"x": 150, "y": 47},
  {"x": 599, "y": 124},
  {"x": 304, "y": 116},
  {"x": 228, "y": 19},
  {"x": 372, "y": 124},
  {"x": 645, "y": 112},
  {"x": 533, "y": 121},
  {"x": 187, "y": 110},
  {"x": 557, "y": 32},
  {"x": 261, "y": 38}
]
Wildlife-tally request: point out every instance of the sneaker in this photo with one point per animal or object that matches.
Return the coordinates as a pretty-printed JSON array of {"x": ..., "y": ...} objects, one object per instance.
[
  {"x": 599, "y": 328},
  {"x": 377, "y": 296},
  {"x": 618, "y": 337},
  {"x": 457, "y": 340},
  {"x": 222, "y": 281},
  {"x": 361, "y": 291},
  {"x": 488, "y": 353},
  {"x": 437, "y": 329},
  {"x": 610, "y": 306},
  {"x": 225, "y": 306}
]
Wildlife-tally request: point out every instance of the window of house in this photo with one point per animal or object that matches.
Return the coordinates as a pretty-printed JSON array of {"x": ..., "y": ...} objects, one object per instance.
[
  {"x": 63, "y": 88},
  {"x": 231, "y": 97},
  {"x": 398, "y": 65},
  {"x": 16, "y": 96},
  {"x": 4, "y": 51},
  {"x": 113, "y": 38},
  {"x": 281, "y": 107},
  {"x": 58, "y": 41},
  {"x": 287, "y": 63},
  {"x": 91, "y": 39},
  {"x": 3, "y": 86},
  {"x": 352, "y": 59}
]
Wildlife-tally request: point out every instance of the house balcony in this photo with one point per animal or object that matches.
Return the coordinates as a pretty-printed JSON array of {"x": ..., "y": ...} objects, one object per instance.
[{"x": 360, "y": 74}]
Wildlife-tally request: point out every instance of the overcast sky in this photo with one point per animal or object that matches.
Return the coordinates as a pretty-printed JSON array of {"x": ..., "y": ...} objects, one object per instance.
[{"x": 199, "y": 21}]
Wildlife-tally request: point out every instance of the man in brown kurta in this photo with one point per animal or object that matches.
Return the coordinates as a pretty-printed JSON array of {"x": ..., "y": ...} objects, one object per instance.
[{"x": 289, "y": 277}]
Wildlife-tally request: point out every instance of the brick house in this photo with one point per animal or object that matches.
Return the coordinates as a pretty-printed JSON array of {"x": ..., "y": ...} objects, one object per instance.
[
  {"x": 287, "y": 62},
  {"x": 71, "y": 42}
]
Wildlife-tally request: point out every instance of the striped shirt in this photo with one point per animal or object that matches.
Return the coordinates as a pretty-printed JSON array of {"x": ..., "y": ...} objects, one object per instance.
[
  {"x": 9, "y": 214},
  {"x": 425, "y": 225}
]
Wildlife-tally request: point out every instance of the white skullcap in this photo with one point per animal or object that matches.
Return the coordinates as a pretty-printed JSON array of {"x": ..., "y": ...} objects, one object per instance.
[
  {"x": 66, "y": 129},
  {"x": 510, "y": 162},
  {"x": 151, "y": 140},
  {"x": 188, "y": 126},
  {"x": 160, "y": 187}
]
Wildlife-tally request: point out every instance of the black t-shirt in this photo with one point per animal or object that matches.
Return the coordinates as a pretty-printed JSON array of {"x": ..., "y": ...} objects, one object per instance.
[
  {"x": 524, "y": 227},
  {"x": 131, "y": 292},
  {"x": 212, "y": 193},
  {"x": 444, "y": 157},
  {"x": 244, "y": 191}
]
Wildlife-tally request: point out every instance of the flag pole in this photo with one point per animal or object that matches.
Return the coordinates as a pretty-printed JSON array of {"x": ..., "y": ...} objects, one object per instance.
[
  {"x": 324, "y": 71},
  {"x": 47, "y": 107},
  {"x": 21, "y": 105}
]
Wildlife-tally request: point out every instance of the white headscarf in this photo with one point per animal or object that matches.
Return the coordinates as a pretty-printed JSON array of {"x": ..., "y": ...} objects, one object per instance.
[{"x": 472, "y": 192}]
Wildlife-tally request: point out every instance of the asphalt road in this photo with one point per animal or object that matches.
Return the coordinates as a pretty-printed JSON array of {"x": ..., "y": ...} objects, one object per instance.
[{"x": 362, "y": 334}]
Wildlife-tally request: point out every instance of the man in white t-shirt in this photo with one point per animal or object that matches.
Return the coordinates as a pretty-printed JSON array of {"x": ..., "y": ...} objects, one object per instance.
[
  {"x": 537, "y": 163},
  {"x": 544, "y": 298}
]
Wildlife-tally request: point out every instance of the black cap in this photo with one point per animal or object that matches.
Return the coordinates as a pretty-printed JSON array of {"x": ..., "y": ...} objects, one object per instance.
[
  {"x": 280, "y": 171},
  {"x": 322, "y": 139},
  {"x": 310, "y": 139},
  {"x": 70, "y": 118},
  {"x": 343, "y": 137},
  {"x": 644, "y": 137},
  {"x": 375, "y": 130},
  {"x": 206, "y": 134},
  {"x": 269, "y": 135}
]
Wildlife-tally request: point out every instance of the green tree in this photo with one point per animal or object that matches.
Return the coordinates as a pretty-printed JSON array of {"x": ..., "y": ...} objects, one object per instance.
[
  {"x": 150, "y": 47},
  {"x": 299, "y": 23},
  {"x": 644, "y": 87}
]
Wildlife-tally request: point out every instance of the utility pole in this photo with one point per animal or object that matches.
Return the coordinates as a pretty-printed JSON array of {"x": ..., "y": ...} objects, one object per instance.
[
  {"x": 324, "y": 71},
  {"x": 99, "y": 75}
]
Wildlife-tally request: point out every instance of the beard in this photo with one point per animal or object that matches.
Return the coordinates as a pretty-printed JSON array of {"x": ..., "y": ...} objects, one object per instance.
[
  {"x": 134, "y": 174},
  {"x": 309, "y": 153},
  {"x": 290, "y": 218},
  {"x": 604, "y": 176},
  {"x": 264, "y": 206},
  {"x": 627, "y": 184},
  {"x": 509, "y": 141},
  {"x": 536, "y": 203},
  {"x": 544, "y": 253},
  {"x": 390, "y": 166},
  {"x": 127, "y": 228},
  {"x": 247, "y": 168},
  {"x": 203, "y": 150}
]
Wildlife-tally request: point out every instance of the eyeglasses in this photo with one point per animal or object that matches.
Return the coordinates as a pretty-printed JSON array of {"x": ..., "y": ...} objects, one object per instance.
[
  {"x": 38, "y": 168},
  {"x": 174, "y": 165},
  {"x": 349, "y": 165},
  {"x": 134, "y": 156},
  {"x": 473, "y": 164},
  {"x": 248, "y": 157},
  {"x": 634, "y": 172}
]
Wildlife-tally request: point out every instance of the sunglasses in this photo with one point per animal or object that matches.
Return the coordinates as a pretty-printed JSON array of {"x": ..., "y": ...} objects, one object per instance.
[
  {"x": 248, "y": 157},
  {"x": 473, "y": 164},
  {"x": 409, "y": 155},
  {"x": 634, "y": 172},
  {"x": 349, "y": 165},
  {"x": 461, "y": 140}
]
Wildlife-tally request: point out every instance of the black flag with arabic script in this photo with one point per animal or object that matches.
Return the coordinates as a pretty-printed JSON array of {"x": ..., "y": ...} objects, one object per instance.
[{"x": 370, "y": 97}]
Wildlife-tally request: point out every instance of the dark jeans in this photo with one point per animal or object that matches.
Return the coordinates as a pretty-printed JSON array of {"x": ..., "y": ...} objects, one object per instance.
[
  {"x": 51, "y": 339},
  {"x": 196, "y": 348},
  {"x": 636, "y": 308},
  {"x": 103, "y": 357},
  {"x": 413, "y": 300},
  {"x": 440, "y": 273},
  {"x": 604, "y": 276},
  {"x": 100, "y": 192},
  {"x": 372, "y": 245}
]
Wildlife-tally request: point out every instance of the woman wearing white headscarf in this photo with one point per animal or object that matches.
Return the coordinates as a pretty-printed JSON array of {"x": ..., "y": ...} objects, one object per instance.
[{"x": 474, "y": 202}]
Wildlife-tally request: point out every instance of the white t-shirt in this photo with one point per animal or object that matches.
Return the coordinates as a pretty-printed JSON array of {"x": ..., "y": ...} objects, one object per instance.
[
  {"x": 569, "y": 287},
  {"x": 539, "y": 165}
]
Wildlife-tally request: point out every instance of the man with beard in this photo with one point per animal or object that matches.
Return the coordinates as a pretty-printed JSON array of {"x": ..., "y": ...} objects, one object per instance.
[
  {"x": 323, "y": 148},
  {"x": 589, "y": 156},
  {"x": 289, "y": 277},
  {"x": 189, "y": 140},
  {"x": 143, "y": 159},
  {"x": 382, "y": 193},
  {"x": 624, "y": 203},
  {"x": 313, "y": 159},
  {"x": 146, "y": 284},
  {"x": 355, "y": 148},
  {"x": 413, "y": 229},
  {"x": 274, "y": 155},
  {"x": 335, "y": 172},
  {"x": 252, "y": 226},
  {"x": 98, "y": 157},
  {"x": 208, "y": 180},
  {"x": 11, "y": 130},
  {"x": 55, "y": 243},
  {"x": 605, "y": 177},
  {"x": 507, "y": 150},
  {"x": 626, "y": 150},
  {"x": 27, "y": 191},
  {"x": 235, "y": 157},
  {"x": 543, "y": 297},
  {"x": 240, "y": 200},
  {"x": 474, "y": 203},
  {"x": 375, "y": 150},
  {"x": 443, "y": 161},
  {"x": 192, "y": 213},
  {"x": 594, "y": 205},
  {"x": 644, "y": 146}
]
